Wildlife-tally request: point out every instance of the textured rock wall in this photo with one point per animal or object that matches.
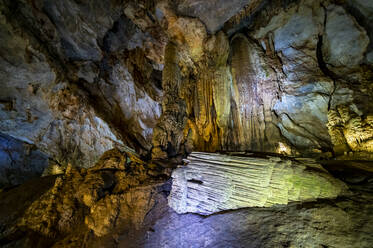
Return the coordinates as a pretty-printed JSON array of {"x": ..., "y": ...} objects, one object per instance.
[
  {"x": 111, "y": 198},
  {"x": 78, "y": 78},
  {"x": 211, "y": 183},
  {"x": 19, "y": 161},
  {"x": 277, "y": 85},
  {"x": 323, "y": 50}
]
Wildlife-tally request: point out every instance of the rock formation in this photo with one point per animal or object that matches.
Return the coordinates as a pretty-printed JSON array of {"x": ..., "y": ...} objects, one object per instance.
[
  {"x": 282, "y": 80},
  {"x": 100, "y": 100},
  {"x": 75, "y": 79},
  {"x": 20, "y": 161},
  {"x": 122, "y": 202},
  {"x": 255, "y": 76},
  {"x": 116, "y": 193},
  {"x": 211, "y": 183}
]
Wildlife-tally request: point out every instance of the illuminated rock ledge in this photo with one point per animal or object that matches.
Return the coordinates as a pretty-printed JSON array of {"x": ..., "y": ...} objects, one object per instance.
[{"x": 213, "y": 182}]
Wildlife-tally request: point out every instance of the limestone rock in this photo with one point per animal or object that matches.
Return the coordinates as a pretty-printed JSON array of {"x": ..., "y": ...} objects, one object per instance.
[
  {"x": 80, "y": 31},
  {"x": 48, "y": 212},
  {"x": 345, "y": 41},
  {"x": 169, "y": 137},
  {"x": 19, "y": 161},
  {"x": 212, "y": 13},
  {"x": 343, "y": 222},
  {"x": 61, "y": 91},
  {"x": 351, "y": 131},
  {"x": 115, "y": 194},
  {"x": 363, "y": 11},
  {"x": 211, "y": 183}
]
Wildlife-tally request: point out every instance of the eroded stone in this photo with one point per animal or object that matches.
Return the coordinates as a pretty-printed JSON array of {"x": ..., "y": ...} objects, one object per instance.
[{"x": 211, "y": 183}]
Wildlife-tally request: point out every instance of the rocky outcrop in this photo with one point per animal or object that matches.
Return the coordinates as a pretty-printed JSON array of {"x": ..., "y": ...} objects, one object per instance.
[
  {"x": 211, "y": 183},
  {"x": 351, "y": 131},
  {"x": 315, "y": 83},
  {"x": 115, "y": 194},
  {"x": 265, "y": 83},
  {"x": 162, "y": 79}
]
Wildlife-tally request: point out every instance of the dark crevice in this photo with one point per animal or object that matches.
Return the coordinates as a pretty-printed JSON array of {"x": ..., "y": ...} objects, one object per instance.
[
  {"x": 320, "y": 60},
  {"x": 195, "y": 181}
]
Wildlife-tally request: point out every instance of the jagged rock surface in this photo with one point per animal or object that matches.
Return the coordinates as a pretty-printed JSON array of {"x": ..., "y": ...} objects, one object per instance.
[
  {"x": 82, "y": 206},
  {"x": 316, "y": 82},
  {"x": 78, "y": 78},
  {"x": 269, "y": 88},
  {"x": 211, "y": 183}
]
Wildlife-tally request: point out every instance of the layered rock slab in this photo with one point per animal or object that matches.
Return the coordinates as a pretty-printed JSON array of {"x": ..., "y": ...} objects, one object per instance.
[{"x": 213, "y": 182}]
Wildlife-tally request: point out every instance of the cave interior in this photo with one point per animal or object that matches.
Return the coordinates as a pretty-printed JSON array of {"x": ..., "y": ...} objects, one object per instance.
[{"x": 186, "y": 123}]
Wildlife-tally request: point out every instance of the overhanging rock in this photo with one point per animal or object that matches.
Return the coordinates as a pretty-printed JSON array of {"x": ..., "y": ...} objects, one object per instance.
[{"x": 214, "y": 182}]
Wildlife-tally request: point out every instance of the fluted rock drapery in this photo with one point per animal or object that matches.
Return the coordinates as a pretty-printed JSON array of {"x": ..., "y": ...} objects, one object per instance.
[{"x": 214, "y": 182}]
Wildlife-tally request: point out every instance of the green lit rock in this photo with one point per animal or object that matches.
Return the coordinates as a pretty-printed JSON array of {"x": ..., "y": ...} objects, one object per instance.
[{"x": 213, "y": 182}]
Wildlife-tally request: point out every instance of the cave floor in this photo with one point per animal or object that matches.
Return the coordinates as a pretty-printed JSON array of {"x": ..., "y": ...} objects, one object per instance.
[{"x": 48, "y": 212}]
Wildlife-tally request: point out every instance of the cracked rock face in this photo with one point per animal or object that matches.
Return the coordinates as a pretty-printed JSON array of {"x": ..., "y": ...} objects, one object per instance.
[
  {"x": 115, "y": 194},
  {"x": 160, "y": 80},
  {"x": 20, "y": 161}
]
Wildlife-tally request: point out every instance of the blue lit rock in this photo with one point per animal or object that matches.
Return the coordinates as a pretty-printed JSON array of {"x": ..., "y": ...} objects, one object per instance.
[
  {"x": 212, "y": 182},
  {"x": 19, "y": 161},
  {"x": 345, "y": 41}
]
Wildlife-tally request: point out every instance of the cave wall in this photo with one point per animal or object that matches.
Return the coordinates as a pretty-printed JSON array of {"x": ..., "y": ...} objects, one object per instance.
[
  {"x": 295, "y": 80},
  {"x": 20, "y": 161},
  {"x": 78, "y": 78},
  {"x": 81, "y": 77}
]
